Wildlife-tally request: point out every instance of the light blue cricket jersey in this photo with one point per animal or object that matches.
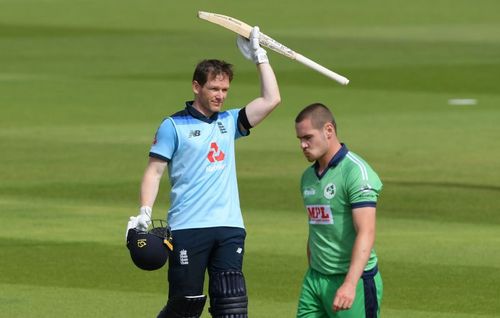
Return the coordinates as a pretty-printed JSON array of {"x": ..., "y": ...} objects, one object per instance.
[{"x": 201, "y": 167}]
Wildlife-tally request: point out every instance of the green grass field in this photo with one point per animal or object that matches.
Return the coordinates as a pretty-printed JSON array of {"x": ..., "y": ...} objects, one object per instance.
[{"x": 85, "y": 83}]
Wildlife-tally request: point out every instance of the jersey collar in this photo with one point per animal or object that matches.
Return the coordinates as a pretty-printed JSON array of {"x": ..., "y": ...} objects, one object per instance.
[
  {"x": 337, "y": 158},
  {"x": 198, "y": 115}
]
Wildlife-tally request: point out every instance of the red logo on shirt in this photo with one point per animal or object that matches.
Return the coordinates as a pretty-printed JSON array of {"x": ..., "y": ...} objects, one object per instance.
[
  {"x": 319, "y": 214},
  {"x": 215, "y": 154}
]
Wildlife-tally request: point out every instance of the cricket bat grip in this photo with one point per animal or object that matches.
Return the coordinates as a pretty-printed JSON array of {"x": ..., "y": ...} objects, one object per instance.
[{"x": 323, "y": 70}]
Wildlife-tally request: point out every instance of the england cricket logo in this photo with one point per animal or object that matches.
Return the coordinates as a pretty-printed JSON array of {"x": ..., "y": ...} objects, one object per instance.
[
  {"x": 329, "y": 191},
  {"x": 183, "y": 257}
]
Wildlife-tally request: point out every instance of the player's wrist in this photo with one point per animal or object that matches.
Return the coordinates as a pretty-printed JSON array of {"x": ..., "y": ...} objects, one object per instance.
[
  {"x": 251, "y": 49},
  {"x": 146, "y": 210},
  {"x": 261, "y": 56},
  {"x": 350, "y": 281}
]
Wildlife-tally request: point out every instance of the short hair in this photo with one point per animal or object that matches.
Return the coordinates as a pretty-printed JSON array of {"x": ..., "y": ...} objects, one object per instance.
[
  {"x": 212, "y": 68},
  {"x": 319, "y": 115}
]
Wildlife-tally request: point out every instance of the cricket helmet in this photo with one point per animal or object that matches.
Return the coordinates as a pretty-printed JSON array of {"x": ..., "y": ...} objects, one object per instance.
[{"x": 149, "y": 249}]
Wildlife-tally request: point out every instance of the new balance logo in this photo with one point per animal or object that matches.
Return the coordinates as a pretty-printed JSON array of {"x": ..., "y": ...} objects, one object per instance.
[{"x": 194, "y": 133}]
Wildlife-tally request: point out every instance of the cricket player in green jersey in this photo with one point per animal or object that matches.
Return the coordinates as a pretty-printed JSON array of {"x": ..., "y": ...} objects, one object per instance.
[{"x": 340, "y": 192}]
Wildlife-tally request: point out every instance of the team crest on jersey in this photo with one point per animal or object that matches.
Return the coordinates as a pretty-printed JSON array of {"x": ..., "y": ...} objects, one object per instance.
[
  {"x": 319, "y": 214},
  {"x": 221, "y": 128},
  {"x": 329, "y": 191}
]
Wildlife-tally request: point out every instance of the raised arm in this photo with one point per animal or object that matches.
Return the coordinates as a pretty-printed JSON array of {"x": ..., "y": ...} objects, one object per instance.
[{"x": 269, "y": 97}]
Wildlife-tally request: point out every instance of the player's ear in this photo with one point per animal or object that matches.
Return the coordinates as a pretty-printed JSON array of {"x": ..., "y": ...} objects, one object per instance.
[
  {"x": 196, "y": 87},
  {"x": 329, "y": 130}
]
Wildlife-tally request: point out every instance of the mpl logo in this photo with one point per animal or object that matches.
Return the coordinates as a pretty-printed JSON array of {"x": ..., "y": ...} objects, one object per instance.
[
  {"x": 320, "y": 214},
  {"x": 215, "y": 154}
]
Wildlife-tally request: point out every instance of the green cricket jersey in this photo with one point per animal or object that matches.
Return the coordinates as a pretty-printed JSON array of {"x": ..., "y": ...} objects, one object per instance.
[{"x": 348, "y": 183}]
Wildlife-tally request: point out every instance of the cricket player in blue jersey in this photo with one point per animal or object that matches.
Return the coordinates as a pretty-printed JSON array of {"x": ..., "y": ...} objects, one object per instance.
[{"x": 197, "y": 145}]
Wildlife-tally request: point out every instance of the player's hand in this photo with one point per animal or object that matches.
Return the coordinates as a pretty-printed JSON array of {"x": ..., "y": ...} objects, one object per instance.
[
  {"x": 144, "y": 218},
  {"x": 132, "y": 224},
  {"x": 250, "y": 48},
  {"x": 344, "y": 297}
]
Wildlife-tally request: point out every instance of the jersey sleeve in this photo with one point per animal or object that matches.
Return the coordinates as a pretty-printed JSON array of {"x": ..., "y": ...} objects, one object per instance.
[
  {"x": 363, "y": 184},
  {"x": 237, "y": 131},
  {"x": 165, "y": 141}
]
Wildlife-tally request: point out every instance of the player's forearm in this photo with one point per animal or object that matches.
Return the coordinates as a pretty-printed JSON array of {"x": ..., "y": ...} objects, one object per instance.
[
  {"x": 269, "y": 85},
  {"x": 149, "y": 190},
  {"x": 150, "y": 185},
  {"x": 269, "y": 97},
  {"x": 360, "y": 255}
]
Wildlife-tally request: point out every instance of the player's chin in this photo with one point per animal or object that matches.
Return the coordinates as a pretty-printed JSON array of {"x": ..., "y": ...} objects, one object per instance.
[
  {"x": 215, "y": 107},
  {"x": 309, "y": 156}
]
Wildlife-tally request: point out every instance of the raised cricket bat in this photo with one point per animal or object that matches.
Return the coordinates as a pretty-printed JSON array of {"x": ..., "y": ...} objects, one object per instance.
[{"x": 244, "y": 30}]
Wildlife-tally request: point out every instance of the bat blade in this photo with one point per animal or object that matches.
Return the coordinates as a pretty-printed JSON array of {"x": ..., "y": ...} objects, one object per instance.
[
  {"x": 244, "y": 30},
  {"x": 227, "y": 22}
]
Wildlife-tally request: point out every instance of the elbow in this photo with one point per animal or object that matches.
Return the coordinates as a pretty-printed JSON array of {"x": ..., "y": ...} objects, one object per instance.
[{"x": 276, "y": 100}]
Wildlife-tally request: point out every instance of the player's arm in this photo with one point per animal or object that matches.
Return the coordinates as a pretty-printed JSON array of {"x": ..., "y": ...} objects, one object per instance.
[
  {"x": 162, "y": 149},
  {"x": 364, "y": 224},
  {"x": 269, "y": 97},
  {"x": 149, "y": 190},
  {"x": 151, "y": 181},
  {"x": 259, "y": 108}
]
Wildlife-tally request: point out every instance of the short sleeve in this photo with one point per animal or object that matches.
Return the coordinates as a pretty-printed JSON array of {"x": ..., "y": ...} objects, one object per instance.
[
  {"x": 165, "y": 141},
  {"x": 237, "y": 132},
  {"x": 363, "y": 184}
]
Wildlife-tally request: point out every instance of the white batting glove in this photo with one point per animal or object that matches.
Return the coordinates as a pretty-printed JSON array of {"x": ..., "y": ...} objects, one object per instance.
[
  {"x": 132, "y": 224},
  {"x": 250, "y": 48},
  {"x": 144, "y": 218}
]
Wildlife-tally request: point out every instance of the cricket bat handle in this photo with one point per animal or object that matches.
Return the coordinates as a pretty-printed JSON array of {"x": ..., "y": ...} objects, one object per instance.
[{"x": 319, "y": 68}]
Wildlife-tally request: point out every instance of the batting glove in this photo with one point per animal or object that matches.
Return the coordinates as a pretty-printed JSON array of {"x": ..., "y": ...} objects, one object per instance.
[
  {"x": 144, "y": 218},
  {"x": 132, "y": 224},
  {"x": 250, "y": 48}
]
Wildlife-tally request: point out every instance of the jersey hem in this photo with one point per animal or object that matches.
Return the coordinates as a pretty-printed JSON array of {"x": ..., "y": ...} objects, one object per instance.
[
  {"x": 155, "y": 155},
  {"x": 188, "y": 227},
  {"x": 364, "y": 205}
]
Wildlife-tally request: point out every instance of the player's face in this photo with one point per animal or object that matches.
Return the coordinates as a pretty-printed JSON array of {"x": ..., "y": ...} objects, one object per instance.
[
  {"x": 313, "y": 141},
  {"x": 210, "y": 97}
]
